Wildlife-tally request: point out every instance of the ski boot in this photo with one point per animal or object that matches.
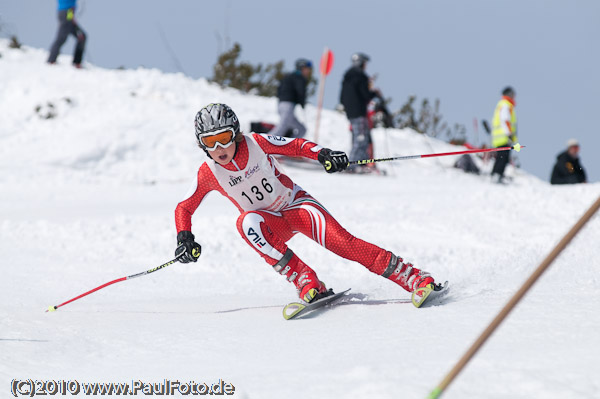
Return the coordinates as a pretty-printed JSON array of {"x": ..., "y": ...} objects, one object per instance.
[
  {"x": 407, "y": 276},
  {"x": 310, "y": 288},
  {"x": 304, "y": 278}
]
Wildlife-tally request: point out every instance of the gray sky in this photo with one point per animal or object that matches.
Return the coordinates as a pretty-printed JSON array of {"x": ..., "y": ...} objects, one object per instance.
[{"x": 462, "y": 52}]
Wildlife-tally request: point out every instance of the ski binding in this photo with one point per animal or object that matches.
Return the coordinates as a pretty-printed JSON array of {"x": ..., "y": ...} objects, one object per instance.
[
  {"x": 428, "y": 295},
  {"x": 296, "y": 309}
]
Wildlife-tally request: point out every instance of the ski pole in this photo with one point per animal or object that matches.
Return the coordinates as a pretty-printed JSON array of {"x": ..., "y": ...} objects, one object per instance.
[
  {"x": 516, "y": 298},
  {"x": 169, "y": 263},
  {"x": 517, "y": 147}
]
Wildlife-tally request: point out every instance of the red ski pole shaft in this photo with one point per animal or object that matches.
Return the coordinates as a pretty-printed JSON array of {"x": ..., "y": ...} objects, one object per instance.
[
  {"x": 53, "y": 308},
  {"x": 517, "y": 147}
]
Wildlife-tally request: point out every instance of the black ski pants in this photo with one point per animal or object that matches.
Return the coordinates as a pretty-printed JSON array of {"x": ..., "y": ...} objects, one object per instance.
[
  {"x": 502, "y": 159},
  {"x": 67, "y": 26}
]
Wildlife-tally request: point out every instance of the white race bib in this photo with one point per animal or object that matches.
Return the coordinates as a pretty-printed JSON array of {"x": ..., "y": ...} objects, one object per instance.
[{"x": 256, "y": 187}]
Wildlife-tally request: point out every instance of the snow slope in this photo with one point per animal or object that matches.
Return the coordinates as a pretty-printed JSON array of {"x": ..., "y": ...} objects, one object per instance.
[{"x": 88, "y": 196}]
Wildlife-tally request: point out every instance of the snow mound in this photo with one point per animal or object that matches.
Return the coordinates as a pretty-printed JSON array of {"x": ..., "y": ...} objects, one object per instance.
[{"x": 92, "y": 165}]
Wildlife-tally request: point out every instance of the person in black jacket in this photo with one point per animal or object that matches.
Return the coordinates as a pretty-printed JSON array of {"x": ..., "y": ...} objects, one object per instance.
[
  {"x": 292, "y": 91},
  {"x": 567, "y": 169},
  {"x": 355, "y": 96}
]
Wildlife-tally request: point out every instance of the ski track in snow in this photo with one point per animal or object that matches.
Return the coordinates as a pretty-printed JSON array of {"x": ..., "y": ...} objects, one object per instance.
[{"x": 88, "y": 196}]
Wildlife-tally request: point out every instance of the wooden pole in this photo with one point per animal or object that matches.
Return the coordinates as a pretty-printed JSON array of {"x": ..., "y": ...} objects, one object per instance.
[{"x": 437, "y": 392}]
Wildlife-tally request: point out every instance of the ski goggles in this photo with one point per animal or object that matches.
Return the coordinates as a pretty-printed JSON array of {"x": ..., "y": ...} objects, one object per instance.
[{"x": 223, "y": 138}]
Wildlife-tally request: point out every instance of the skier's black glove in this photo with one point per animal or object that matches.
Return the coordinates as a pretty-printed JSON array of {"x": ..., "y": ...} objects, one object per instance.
[
  {"x": 187, "y": 247},
  {"x": 333, "y": 161}
]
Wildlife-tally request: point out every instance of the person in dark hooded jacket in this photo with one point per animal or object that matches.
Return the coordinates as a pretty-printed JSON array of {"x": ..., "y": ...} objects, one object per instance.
[
  {"x": 292, "y": 92},
  {"x": 567, "y": 169},
  {"x": 355, "y": 96}
]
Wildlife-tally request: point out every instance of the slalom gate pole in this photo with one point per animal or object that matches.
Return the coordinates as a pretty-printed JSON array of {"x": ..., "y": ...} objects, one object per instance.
[
  {"x": 437, "y": 392},
  {"x": 169, "y": 263},
  {"x": 319, "y": 107},
  {"x": 324, "y": 67},
  {"x": 517, "y": 147}
]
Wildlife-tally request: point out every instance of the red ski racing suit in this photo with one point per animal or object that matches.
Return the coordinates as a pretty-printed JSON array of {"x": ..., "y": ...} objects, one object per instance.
[{"x": 273, "y": 209}]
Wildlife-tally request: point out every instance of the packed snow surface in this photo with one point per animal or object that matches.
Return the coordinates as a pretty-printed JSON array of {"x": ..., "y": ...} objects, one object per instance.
[{"x": 92, "y": 165}]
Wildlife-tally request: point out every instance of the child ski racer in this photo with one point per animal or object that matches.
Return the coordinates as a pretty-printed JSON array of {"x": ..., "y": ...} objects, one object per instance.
[{"x": 273, "y": 208}]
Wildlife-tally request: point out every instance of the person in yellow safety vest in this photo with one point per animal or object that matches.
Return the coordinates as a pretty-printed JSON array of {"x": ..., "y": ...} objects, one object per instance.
[{"x": 504, "y": 130}]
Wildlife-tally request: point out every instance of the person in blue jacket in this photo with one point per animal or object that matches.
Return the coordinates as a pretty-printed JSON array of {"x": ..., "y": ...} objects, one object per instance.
[{"x": 68, "y": 25}]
